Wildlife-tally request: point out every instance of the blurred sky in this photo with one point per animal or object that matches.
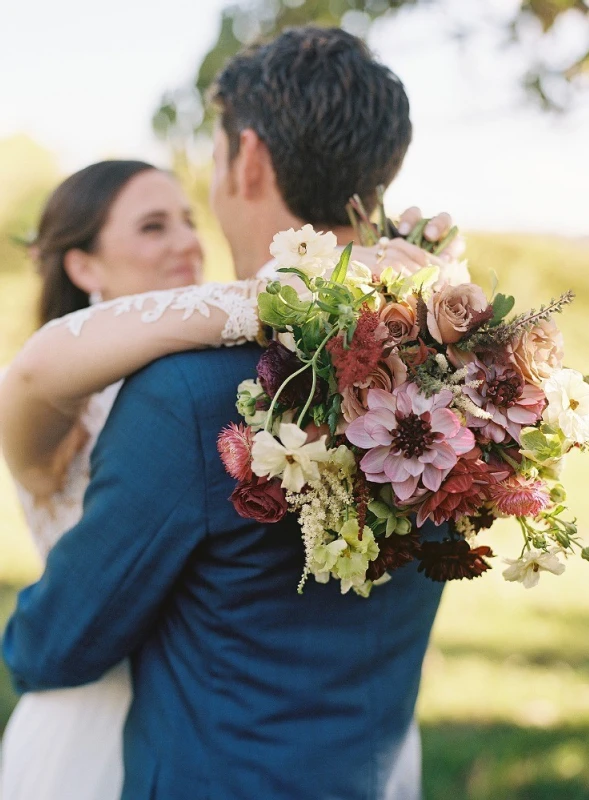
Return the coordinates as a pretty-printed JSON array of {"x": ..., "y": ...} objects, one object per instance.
[{"x": 84, "y": 79}]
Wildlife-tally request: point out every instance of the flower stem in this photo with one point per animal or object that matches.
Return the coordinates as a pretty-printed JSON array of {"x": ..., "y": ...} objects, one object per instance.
[
  {"x": 523, "y": 526},
  {"x": 311, "y": 364},
  {"x": 309, "y": 399},
  {"x": 449, "y": 237}
]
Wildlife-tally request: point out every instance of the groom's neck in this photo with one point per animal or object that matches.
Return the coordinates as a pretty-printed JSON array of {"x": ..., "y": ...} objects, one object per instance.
[{"x": 250, "y": 259}]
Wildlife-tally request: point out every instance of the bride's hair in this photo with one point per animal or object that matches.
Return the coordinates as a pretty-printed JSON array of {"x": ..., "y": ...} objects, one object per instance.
[
  {"x": 73, "y": 218},
  {"x": 335, "y": 121}
]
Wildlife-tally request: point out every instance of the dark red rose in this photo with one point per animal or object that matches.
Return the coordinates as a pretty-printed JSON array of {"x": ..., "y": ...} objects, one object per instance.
[
  {"x": 260, "y": 499},
  {"x": 276, "y": 363}
]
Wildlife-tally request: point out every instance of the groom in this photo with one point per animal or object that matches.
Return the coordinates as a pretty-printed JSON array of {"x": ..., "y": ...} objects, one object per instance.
[{"x": 243, "y": 690}]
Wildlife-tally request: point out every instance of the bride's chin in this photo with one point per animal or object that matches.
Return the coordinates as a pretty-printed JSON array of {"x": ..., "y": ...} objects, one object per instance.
[{"x": 182, "y": 277}]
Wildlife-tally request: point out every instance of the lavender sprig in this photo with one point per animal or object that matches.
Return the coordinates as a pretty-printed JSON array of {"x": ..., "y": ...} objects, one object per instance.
[{"x": 489, "y": 338}]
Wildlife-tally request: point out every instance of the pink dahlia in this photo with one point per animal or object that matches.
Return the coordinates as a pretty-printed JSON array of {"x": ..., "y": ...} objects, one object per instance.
[
  {"x": 409, "y": 437},
  {"x": 234, "y": 444},
  {"x": 519, "y": 497},
  {"x": 505, "y": 395}
]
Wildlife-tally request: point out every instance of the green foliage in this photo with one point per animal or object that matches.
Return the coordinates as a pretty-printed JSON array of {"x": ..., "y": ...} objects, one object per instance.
[
  {"x": 282, "y": 309},
  {"x": 341, "y": 269},
  {"x": 502, "y": 305}
]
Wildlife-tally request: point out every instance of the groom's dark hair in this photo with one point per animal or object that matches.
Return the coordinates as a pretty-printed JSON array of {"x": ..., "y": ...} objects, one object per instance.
[{"x": 335, "y": 121}]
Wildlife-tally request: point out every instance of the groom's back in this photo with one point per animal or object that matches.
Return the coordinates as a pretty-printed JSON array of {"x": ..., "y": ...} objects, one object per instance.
[{"x": 246, "y": 689}]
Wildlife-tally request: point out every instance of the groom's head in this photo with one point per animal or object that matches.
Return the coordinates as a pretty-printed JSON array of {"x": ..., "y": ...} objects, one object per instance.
[{"x": 305, "y": 122}]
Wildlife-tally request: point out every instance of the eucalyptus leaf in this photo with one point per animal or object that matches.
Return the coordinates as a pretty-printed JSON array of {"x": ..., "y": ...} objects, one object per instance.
[
  {"x": 494, "y": 282},
  {"x": 502, "y": 305}
]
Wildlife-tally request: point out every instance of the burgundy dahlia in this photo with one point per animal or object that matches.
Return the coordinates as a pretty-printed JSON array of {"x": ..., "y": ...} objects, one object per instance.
[
  {"x": 482, "y": 520},
  {"x": 465, "y": 489},
  {"x": 274, "y": 367},
  {"x": 395, "y": 551},
  {"x": 452, "y": 560}
]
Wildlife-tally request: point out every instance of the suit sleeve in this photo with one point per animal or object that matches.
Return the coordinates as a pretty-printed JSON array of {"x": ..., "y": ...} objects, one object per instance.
[{"x": 144, "y": 514}]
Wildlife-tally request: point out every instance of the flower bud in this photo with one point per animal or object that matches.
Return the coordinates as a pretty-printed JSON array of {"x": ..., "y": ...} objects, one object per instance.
[
  {"x": 403, "y": 526},
  {"x": 585, "y": 553},
  {"x": 562, "y": 538},
  {"x": 274, "y": 287},
  {"x": 570, "y": 528},
  {"x": 539, "y": 541},
  {"x": 558, "y": 494}
]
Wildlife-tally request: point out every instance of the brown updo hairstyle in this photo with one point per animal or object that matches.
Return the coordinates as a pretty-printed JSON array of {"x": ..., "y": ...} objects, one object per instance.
[{"x": 72, "y": 218}]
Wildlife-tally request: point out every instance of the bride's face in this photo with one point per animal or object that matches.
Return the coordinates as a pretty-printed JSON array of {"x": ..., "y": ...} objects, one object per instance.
[{"x": 148, "y": 241}]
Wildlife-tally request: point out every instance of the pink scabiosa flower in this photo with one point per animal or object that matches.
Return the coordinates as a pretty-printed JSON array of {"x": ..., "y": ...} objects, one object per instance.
[
  {"x": 504, "y": 395},
  {"x": 409, "y": 437},
  {"x": 520, "y": 497},
  {"x": 234, "y": 444}
]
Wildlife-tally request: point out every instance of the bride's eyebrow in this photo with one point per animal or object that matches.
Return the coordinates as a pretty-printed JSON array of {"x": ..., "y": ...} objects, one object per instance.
[{"x": 153, "y": 214}]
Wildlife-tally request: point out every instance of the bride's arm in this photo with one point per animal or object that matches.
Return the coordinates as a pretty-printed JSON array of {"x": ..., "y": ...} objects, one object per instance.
[{"x": 63, "y": 364}]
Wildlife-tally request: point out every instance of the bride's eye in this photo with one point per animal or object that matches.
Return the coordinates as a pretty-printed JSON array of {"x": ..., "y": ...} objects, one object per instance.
[{"x": 150, "y": 227}]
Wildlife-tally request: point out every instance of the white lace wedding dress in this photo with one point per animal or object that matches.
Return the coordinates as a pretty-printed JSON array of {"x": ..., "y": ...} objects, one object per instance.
[{"x": 66, "y": 744}]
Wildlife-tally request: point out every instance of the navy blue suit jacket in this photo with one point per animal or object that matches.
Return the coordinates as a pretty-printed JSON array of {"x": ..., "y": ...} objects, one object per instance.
[{"x": 243, "y": 689}]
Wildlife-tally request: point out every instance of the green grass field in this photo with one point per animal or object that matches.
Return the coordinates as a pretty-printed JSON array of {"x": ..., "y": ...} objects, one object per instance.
[{"x": 505, "y": 696}]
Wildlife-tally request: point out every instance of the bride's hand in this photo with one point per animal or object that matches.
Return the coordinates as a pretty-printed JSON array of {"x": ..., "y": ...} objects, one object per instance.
[
  {"x": 437, "y": 228},
  {"x": 405, "y": 257}
]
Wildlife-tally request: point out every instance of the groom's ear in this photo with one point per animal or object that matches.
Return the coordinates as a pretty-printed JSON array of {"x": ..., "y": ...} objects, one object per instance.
[{"x": 254, "y": 170}]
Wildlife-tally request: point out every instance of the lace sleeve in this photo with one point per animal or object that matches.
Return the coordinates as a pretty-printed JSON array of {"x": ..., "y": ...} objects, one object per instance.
[{"x": 238, "y": 300}]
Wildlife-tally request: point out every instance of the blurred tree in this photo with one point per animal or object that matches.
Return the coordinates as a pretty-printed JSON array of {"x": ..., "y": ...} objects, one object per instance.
[{"x": 183, "y": 112}]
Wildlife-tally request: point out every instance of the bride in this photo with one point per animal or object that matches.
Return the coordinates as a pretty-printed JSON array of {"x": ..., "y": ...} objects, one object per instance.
[{"x": 114, "y": 229}]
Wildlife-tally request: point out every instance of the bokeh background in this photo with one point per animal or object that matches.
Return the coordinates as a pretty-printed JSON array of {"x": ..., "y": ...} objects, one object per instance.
[{"x": 500, "y": 105}]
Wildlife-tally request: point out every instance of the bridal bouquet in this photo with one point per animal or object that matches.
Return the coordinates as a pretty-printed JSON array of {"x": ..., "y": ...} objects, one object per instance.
[{"x": 381, "y": 403}]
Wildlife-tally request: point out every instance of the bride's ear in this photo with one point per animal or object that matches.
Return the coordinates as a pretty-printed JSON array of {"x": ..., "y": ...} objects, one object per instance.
[
  {"x": 254, "y": 165},
  {"x": 81, "y": 270}
]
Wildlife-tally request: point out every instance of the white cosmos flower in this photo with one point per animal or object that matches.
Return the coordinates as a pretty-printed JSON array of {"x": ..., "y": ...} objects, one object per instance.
[
  {"x": 311, "y": 251},
  {"x": 454, "y": 273},
  {"x": 292, "y": 458},
  {"x": 568, "y": 404},
  {"x": 527, "y": 568}
]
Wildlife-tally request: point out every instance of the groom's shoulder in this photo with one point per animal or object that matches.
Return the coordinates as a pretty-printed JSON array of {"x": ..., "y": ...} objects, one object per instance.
[{"x": 202, "y": 373}]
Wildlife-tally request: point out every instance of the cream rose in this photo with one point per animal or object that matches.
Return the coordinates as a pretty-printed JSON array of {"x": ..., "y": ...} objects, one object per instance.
[
  {"x": 538, "y": 352},
  {"x": 454, "y": 310}
]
